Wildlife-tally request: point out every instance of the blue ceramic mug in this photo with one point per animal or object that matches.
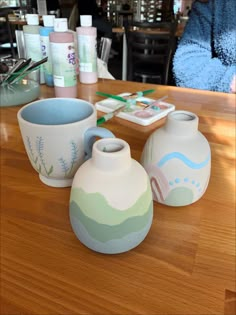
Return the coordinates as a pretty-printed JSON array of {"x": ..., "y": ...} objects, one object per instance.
[{"x": 58, "y": 135}]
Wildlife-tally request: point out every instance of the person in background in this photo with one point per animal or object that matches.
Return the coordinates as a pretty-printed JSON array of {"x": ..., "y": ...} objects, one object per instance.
[
  {"x": 206, "y": 54},
  {"x": 90, "y": 7}
]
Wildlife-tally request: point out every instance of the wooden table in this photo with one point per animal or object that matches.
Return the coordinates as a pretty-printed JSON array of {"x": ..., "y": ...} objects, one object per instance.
[
  {"x": 17, "y": 21},
  {"x": 186, "y": 265},
  {"x": 20, "y": 22}
]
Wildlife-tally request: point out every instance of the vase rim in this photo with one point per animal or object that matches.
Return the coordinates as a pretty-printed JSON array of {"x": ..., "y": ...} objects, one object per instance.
[
  {"x": 111, "y": 145},
  {"x": 182, "y": 115},
  {"x": 111, "y": 154}
]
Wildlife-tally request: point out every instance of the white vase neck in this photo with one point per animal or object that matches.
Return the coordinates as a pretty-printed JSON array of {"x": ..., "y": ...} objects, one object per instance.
[
  {"x": 111, "y": 154},
  {"x": 182, "y": 123}
]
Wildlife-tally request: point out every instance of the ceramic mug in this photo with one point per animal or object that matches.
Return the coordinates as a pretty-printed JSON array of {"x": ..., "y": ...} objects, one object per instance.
[{"x": 58, "y": 134}]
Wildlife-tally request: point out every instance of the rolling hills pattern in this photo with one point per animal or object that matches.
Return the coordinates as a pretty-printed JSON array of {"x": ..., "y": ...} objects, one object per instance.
[{"x": 108, "y": 230}]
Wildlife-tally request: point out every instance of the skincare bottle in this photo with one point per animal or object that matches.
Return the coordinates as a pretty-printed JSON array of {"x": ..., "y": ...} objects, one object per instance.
[
  {"x": 62, "y": 49},
  {"x": 32, "y": 40},
  {"x": 87, "y": 42},
  {"x": 48, "y": 22}
]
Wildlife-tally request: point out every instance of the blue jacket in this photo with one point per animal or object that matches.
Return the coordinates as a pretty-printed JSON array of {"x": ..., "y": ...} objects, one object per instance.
[{"x": 206, "y": 54}]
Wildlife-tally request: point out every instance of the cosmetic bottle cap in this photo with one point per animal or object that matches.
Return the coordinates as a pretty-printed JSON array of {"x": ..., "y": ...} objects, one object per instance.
[
  {"x": 86, "y": 20},
  {"x": 48, "y": 20},
  {"x": 60, "y": 25},
  {"x": 32, "y": 19}
]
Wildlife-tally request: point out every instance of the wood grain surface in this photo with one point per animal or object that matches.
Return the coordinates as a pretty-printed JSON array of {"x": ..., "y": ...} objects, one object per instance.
[{"x": 186, "y": 264}]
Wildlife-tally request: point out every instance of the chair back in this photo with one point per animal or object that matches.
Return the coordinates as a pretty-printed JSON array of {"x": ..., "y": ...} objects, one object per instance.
[
  {"x": 150, "y": 49},
  {"x": 104, "y": 48},
  {"x": 73, "y": 18}
]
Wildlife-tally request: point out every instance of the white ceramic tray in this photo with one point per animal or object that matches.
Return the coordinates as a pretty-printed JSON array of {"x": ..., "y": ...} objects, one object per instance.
[{"x": 136, "y": 113}]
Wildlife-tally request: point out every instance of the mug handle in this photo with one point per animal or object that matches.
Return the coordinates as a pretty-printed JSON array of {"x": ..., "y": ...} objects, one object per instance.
[{"x": 90, "y": 136}]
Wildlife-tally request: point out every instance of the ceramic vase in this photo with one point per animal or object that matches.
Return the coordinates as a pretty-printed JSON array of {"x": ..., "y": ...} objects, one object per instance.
[
  {"x": 111, "y": 206},
  {"x": 177, "y": 158}
]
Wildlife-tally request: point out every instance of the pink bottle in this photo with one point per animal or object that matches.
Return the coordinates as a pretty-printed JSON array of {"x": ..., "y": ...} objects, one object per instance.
[
  {"x": 87, "y": 43},
  {"x": 62, "y": 49}
]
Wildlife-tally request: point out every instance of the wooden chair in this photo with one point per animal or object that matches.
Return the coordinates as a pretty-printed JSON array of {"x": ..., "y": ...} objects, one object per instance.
[
  {"x": 74, "y": 17},
  {"x": 150, "y": 50}
]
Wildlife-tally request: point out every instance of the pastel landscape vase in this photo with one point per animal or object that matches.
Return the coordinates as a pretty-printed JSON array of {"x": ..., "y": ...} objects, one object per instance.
[
  {"x": 177, "y": 158},
  {"x": 111, "y": 206}
]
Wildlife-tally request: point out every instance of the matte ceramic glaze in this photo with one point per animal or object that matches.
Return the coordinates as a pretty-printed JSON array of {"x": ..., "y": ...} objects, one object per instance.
[
  {"x": 177, "y": 158},
  {"x": 111, "y": 206},
  {"x": 58, "y": 134}
]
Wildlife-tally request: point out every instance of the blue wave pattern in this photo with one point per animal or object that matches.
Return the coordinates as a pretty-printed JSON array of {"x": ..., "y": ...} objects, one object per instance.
[{"x": 184, "y": 159}]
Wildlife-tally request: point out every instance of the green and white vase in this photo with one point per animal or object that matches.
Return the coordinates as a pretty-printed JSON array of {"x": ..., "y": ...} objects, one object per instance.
[
  {"x": 111, "y": 206},
  {"x": 177, "y": 158}
]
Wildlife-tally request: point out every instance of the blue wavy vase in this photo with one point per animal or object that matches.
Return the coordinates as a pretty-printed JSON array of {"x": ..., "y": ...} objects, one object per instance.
[
  {"x": 177, "y": 158},
  {"x": 111, "y": 206}
]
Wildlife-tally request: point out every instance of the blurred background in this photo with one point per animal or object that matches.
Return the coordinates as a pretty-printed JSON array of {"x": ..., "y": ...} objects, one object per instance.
[{"x": 114, "y": 11}]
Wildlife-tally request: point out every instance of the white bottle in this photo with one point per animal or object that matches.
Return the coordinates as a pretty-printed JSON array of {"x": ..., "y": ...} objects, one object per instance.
[
  {"x": 87, "y": 42},
  {"x": 62, "y": 49},
  {"x": 32, "y": 40}
]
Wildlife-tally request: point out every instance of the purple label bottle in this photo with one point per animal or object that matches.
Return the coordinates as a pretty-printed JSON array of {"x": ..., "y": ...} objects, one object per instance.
[{"x": 62, "y": 49}]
